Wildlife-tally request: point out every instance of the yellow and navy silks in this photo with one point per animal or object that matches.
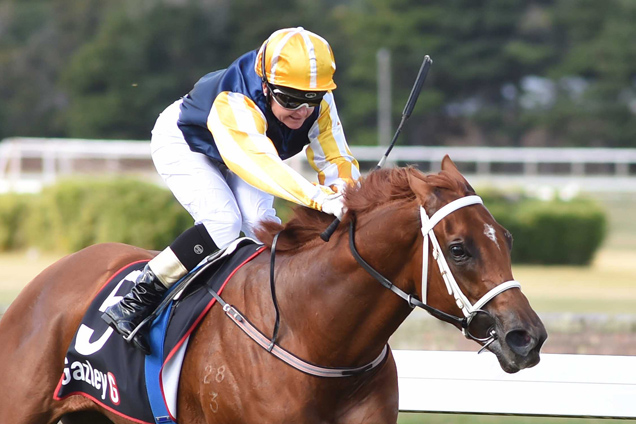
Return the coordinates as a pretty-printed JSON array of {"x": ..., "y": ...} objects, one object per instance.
[{"x": 226, "y": 117}]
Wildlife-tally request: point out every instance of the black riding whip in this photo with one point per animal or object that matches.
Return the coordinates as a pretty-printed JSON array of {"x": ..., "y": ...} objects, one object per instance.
[{"x": 408, "y": 109}]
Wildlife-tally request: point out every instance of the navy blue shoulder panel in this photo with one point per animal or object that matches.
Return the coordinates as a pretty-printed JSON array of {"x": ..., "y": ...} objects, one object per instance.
[{"x": 239, "y": 77}]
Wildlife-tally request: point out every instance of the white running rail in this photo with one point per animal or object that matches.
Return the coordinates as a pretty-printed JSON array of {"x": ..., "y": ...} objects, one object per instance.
[
  {"x": 560, "y": 385},
  {"x": 26, "y": 164},
  {"x": 41, "y": 161}
]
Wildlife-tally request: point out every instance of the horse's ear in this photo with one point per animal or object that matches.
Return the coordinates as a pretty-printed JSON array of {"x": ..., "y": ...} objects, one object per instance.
[
  {"x": 419, "y": 186},
  {"x": 449, "y": 166}
]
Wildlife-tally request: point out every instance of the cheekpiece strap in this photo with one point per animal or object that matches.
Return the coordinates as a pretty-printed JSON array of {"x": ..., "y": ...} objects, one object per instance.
[{"x": 427, "y": 231}]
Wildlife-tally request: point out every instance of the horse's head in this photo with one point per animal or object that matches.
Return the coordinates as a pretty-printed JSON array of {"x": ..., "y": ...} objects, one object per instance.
[
  {"x": 475, "y": 266},
  {"x": 386, "y": 213}
]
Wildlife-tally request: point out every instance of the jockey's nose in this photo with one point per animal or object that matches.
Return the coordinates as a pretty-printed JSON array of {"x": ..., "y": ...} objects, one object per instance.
[{"x": 304, "y": 111}]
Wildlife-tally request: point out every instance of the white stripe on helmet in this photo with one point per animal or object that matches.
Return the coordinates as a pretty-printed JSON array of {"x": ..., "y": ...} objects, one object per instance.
[
  {"x": 313, "y": 63},
  {"x": 279, "y": 48}
]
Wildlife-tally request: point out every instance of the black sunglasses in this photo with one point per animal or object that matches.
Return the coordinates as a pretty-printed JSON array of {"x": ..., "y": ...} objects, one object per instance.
[{"x": 293, "y": 103}]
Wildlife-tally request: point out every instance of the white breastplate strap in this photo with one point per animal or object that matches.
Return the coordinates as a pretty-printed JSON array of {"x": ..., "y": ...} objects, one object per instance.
[{"x": 451, "y": 285}]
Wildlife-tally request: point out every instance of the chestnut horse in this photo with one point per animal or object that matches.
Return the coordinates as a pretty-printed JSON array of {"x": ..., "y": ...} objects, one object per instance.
[{"x": 333, "y": 311}]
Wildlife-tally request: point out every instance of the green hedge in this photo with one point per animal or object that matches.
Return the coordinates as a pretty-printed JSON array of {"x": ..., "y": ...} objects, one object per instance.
[
  {"x": 550, "y": 232},
  {"x": 74, "y": 214},
  {"x": 13, "y": 212}
]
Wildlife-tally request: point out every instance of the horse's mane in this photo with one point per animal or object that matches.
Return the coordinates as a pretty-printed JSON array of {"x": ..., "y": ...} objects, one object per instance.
[{"x": 377, "y": 188}]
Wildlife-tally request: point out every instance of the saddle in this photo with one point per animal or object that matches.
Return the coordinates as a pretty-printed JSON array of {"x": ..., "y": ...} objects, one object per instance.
[{"x": 101, "y": 366}]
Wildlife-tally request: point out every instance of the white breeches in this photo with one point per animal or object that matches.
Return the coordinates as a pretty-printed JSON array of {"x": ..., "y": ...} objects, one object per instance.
[{"x": 211, "y": 193}]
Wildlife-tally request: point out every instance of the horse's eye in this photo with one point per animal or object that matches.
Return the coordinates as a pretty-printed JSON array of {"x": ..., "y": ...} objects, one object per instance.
[{"x": 457, "y": 250}]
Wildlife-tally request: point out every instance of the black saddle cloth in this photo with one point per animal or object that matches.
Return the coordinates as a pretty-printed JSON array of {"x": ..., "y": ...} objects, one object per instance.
[{"x": 101, "y": 366}]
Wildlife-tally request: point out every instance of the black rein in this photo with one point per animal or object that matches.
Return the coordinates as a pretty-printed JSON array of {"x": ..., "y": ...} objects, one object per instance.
[
  {"x": 411, "y": 299},
  {"x": 273, "y": 288}
]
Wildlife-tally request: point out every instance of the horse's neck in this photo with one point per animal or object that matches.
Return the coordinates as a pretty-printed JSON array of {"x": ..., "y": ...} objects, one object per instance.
[{"x": 340, "y": 313}]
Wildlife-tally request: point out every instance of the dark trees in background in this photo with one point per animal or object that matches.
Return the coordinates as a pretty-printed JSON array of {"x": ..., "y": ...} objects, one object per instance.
[{"x": 505, "y": 72}]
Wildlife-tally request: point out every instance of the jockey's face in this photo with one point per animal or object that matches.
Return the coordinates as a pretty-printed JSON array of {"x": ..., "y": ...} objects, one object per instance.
[{"x": 293, "y": 119}]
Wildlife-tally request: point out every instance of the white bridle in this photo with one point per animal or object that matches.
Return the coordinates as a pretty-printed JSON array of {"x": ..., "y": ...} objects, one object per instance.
[{"x": 453, "y": 288}]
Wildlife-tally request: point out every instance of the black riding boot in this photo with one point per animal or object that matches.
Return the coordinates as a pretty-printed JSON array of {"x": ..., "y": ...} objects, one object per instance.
[{"x": 142, "y": 300}]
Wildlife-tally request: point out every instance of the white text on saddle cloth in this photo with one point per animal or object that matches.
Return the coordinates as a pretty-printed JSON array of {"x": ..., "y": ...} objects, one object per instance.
[{"x": 84, "y": 371}]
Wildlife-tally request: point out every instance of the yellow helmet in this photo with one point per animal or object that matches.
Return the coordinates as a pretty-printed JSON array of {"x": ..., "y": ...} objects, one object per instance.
[{"x": 297, "y": 58}]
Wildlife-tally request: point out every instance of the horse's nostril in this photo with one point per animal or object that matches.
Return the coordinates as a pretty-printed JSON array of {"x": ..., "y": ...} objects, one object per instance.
[{"x": 520, "y": 342}]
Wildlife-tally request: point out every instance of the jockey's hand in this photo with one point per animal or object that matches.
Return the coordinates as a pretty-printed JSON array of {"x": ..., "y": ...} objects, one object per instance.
[{"x": 334, "y": 205}]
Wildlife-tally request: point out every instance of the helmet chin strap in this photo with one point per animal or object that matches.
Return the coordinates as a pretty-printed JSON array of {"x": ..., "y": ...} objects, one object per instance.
[
  {"x": 265, "y": 83},
  {"x": 428, "y": 223}
]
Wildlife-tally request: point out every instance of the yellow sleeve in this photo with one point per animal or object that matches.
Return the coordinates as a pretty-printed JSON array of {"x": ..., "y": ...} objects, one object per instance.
[
  {"x": 328, "y": 152},
  {"x": 239, "y": 130}
]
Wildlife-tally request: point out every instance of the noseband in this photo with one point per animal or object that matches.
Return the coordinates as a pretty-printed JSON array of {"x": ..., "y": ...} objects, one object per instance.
[{"x": 469, "y": 310}]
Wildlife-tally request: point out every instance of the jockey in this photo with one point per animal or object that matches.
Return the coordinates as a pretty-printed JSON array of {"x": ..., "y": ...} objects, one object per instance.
[{"x": 220, "y": 149}]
